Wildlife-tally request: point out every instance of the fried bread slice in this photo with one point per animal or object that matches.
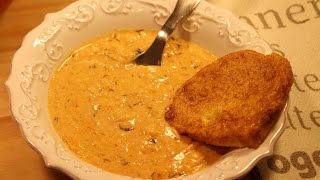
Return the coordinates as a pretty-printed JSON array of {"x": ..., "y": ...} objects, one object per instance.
[{"x": 234, "y": 101}]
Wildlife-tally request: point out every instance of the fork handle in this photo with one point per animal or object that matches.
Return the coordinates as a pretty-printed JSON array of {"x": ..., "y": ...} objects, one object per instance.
[
  {"x": 183, "y": 8},
  {"x": 153, "y": 55}
]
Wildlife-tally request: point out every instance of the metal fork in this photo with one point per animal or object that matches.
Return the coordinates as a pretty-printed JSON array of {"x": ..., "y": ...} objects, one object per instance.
[{"x": 153, "y": 55}]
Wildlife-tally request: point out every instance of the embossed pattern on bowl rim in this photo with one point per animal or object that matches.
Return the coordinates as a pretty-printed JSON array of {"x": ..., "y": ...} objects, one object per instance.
[{"x": 47, "y": 44}]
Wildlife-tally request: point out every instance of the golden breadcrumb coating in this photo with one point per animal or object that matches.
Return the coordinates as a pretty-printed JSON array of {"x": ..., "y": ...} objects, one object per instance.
[{"x": 234, "y": 101}]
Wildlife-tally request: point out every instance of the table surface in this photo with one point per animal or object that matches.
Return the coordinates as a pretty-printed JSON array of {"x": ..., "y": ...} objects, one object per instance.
[{"x": 17, "y": 158}]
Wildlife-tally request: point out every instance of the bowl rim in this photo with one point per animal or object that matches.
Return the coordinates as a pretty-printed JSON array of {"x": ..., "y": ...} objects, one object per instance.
[{"x": 26, "y": 38}]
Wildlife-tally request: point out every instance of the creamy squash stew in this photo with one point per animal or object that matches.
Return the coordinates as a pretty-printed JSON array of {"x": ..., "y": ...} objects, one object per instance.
[{"x": 110, "y": 112}]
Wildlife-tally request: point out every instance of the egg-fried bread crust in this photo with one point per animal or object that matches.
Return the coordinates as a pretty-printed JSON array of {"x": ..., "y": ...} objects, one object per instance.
[{"x": 234, "y": 101}]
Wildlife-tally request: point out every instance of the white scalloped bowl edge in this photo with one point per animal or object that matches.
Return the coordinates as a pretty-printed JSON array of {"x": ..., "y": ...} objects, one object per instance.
[{"x": 45, "y": 46}]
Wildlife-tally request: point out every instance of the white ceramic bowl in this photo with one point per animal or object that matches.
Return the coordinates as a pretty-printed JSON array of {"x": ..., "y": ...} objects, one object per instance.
[{"x": 33, "y": 64}]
